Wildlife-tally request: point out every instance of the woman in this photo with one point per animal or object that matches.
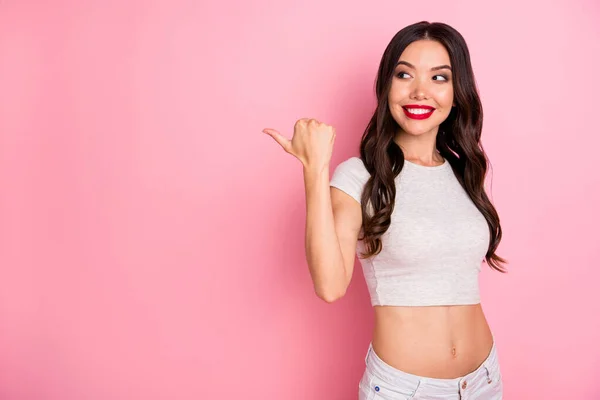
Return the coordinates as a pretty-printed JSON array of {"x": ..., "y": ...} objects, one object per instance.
[{"x": 414, "y": 209}]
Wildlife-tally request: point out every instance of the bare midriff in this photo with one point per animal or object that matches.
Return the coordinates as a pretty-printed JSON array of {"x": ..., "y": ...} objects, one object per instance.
[{"x": 441, "y": 342}]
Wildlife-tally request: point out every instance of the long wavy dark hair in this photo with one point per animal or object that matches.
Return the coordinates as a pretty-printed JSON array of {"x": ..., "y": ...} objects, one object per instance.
[{"x": 457, "y": 140}]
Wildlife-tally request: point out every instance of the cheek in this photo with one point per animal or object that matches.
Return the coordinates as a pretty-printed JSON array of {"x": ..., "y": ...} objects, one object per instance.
[
  {"x": 395, "y": 96},
  {"x": 398, "y": 92},
  {"x": 446, "y": 97}
]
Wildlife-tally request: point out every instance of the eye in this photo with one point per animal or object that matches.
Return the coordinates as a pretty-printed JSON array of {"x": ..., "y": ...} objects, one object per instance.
[{"x": 446, "y": 78}]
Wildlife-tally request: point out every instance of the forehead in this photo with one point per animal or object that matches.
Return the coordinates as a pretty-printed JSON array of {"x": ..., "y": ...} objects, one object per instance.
[{"x": 425, "y": 54}]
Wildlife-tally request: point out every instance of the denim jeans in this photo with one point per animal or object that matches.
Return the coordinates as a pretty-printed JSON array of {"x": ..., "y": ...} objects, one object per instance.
[{"x": 382, "y": 381}]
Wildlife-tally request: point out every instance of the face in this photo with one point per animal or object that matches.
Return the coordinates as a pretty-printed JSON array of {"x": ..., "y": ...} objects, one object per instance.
[{"x": 420, "y": 79}]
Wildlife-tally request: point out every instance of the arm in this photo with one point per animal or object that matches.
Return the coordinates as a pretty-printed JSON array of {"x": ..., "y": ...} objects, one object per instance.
[
  {"x": 333, "y": 221},
  {"x": 333, "y": 216}
]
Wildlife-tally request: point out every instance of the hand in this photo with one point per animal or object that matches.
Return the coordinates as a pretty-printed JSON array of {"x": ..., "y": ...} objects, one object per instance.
[{"x": 311, "y": 143}]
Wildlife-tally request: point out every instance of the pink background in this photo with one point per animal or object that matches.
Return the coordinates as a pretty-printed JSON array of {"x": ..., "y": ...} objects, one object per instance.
[{"x": 152, "y": 237}]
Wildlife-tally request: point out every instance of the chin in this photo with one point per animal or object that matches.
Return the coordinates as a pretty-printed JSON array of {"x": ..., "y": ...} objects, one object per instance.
[{"x": 420, "y": 128}]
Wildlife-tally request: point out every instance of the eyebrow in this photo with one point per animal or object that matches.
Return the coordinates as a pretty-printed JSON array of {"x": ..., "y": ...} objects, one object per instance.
[{"x": 409, "y": 65}]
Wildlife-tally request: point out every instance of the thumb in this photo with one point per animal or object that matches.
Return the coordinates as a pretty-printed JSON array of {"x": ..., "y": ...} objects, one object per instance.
[{"x": 279, "y": 138}]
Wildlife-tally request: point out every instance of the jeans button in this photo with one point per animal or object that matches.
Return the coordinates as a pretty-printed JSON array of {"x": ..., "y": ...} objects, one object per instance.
[{"x": 464, "y": 385}]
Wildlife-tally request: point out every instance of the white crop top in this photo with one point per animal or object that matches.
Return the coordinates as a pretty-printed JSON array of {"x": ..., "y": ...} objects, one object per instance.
[{"x": 435, "y": 245}]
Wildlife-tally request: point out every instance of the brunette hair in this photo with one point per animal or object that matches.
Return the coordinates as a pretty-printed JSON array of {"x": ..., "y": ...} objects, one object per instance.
[{"x": 457, "y": 140}]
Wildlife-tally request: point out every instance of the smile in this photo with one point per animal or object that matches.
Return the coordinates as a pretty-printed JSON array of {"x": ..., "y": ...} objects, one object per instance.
[{"x": 417, "y": 111}]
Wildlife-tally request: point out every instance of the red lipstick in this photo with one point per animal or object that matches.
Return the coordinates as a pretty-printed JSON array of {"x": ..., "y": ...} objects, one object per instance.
[{"x": 424, "y": 115}]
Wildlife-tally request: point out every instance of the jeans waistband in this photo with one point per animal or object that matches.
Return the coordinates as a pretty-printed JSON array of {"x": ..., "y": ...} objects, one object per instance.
[{"x": 397, "y": 377}]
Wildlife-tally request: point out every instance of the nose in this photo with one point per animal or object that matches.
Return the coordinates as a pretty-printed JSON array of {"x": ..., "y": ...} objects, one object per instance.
[{"x": 419, "y": 90}]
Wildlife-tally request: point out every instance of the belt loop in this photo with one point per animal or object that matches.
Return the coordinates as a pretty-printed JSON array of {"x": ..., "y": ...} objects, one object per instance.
[
  {"x": 414, "y": 393},
  {"x": 368, "y": 352}
]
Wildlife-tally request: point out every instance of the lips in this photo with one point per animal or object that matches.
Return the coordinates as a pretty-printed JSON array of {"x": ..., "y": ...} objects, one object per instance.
[{"x": 426, "y": 113}]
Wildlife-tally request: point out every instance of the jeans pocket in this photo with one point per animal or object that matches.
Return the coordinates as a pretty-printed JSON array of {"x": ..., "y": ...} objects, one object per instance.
[
  {"x": 489, "y": 386},
  {"x": 496, "y": 376},
  {"x": 375, "y": 388},
  {"x": 499, "y": 384},
  {"x": 363, "y": 387}
]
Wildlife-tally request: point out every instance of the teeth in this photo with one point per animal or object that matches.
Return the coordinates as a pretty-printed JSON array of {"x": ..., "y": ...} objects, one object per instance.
[{"x": 418, "y": 111}]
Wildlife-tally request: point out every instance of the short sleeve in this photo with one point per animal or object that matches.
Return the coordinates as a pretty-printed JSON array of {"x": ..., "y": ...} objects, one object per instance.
[{"x": 350, "y": 176}]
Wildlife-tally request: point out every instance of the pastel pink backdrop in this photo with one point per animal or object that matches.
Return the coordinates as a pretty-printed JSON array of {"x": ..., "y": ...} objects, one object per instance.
[{"x": 152, "y": 238}]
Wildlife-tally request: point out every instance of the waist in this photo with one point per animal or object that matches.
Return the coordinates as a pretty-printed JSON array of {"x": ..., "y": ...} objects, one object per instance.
[{"x": 437, "y": 342}]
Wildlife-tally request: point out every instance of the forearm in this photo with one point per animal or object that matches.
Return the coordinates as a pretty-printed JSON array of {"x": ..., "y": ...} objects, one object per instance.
[{"x": 323, "y": 252}]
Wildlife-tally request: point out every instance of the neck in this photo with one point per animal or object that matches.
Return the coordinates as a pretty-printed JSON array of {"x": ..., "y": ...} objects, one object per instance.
[{"x": 419, "y": 148}]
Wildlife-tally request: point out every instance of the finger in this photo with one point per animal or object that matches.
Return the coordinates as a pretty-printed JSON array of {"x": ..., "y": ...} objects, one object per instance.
[{"x": 279, "y": 138}]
